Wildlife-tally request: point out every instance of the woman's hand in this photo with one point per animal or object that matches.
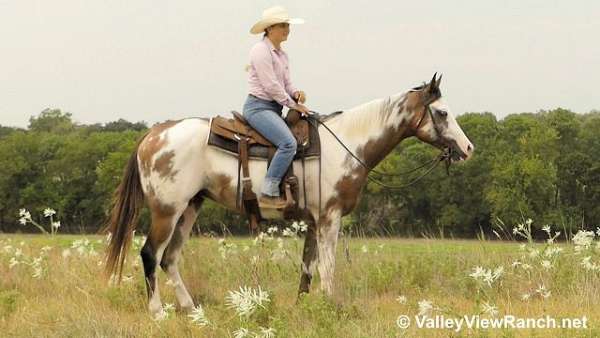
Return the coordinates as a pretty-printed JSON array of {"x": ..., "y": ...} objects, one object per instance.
[
  {"x": 302, "y": 109},
  {"x": 300, "y": 96}
]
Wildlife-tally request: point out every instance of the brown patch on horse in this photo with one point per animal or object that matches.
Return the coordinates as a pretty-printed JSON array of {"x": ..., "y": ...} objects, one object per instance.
[
  {"x": 152, "y": 143},
  {"x": 164, "y": 165},
  {"x": 162, "y": 217},
  {"x": 220, "y": 190},
  {"x": 348, "y": 190},
  {"x": 157, "y": 206}
]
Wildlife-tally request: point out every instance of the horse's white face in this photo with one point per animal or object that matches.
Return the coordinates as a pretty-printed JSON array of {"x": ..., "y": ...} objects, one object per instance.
[
  {"x": 439, "y": 126},
  {"x": 450, "y": 133}
]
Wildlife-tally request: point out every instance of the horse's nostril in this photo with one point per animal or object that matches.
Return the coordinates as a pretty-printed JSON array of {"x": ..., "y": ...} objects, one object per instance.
[{"x": 469, "y": 148}]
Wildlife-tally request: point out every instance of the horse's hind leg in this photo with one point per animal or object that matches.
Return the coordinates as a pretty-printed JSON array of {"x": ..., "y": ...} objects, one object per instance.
[
  {"x": 173, "y": 252},
  {"x": 161, "y": 230}
]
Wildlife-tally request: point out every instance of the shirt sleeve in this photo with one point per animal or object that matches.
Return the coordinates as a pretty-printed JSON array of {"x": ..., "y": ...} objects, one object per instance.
[{"x": 261, "y": 60}]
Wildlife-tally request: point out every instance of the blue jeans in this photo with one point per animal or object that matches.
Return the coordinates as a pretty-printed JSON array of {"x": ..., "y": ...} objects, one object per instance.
[{"x": 265, "y": 117}]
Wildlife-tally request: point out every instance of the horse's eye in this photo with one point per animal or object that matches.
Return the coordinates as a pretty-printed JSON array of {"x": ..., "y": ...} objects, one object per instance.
[{"x": 443, "y": 113}]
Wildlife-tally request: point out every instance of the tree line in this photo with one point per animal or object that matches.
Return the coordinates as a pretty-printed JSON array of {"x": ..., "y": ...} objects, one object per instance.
[{"x": 544, "y": 166}]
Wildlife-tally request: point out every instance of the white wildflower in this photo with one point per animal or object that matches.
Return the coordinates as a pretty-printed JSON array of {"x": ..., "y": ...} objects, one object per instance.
[
  {"x": 533, "y": 253},
  {"x": 490, "y": 309},
  {"x": 583, "y": 239},
  {"x": 247, "y": 300},
  {"x": 425, "y": 307},
  {"x": 288, "y": 233},
  {"x": 37, "y": 272},
  {"x": 272, "y": 230},
  {"x": 46, "y": 248},
  {"x": 266, "y": 333},
  {"x": 13, "y": 262},
  {"x": 477, "y": 272},
  {"x": 545, "y": 293},
  {"x": 198, "y": 316},
  {"x": 49, "y": 212},
  {"x": 401, "y": 299},
  {"x": 169, "y": 307},
  {"x": 553, "y": 251},
  {"x": 24, "y": 214},
  {"x": 588, "y": 264},
  {"x": 299, "y": 227},
  {"x": 522, "y": 247},
  {"x": 525, "y": 297},
  {"x": 487, "y": 275},
  {"x": 241, "y": 333},
  {"x": 546, "y": 264},
  {"x": 56, "y": 224},
  {"x": 546, "y": 228},
  {"x": 364, "y": 249}
]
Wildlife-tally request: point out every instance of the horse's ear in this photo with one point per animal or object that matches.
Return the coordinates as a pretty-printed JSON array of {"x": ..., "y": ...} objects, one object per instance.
[
  {"x": 439, "y": 80},
  {"x": 432, "y": 90},
  {"x": 431, "y": 84}
]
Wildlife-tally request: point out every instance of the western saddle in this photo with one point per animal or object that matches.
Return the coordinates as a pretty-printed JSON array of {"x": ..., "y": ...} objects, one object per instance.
[{"x": 235, "y": 136}]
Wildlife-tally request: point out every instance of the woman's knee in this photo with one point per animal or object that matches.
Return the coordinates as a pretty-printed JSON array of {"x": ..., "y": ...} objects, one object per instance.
[{"x": 289, "y": 144}]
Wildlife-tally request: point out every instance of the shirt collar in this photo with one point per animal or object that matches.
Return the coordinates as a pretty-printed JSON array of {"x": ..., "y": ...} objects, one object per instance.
[{"x": 271, "y": 46}]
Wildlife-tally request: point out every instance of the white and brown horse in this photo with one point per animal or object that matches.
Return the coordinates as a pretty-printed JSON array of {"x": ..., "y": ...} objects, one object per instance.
[{"x": 174, "y": 169}]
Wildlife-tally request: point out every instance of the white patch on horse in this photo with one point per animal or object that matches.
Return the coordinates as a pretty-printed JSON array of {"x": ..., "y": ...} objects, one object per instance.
[
  {"x": 185, "y": 142},
  {"x": 327, "y": 237}
]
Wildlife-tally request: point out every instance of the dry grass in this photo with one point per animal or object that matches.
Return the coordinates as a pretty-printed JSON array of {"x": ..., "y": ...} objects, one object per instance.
[{"x": 71, "y": 299}]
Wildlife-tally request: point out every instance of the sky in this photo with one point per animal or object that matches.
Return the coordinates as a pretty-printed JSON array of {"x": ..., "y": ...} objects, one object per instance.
[{"x": 148, "y": 60}]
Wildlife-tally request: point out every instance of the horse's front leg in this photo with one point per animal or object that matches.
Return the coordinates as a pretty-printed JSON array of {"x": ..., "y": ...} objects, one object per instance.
[
  {"x": 309, "y": 258},
  {"x": 327, "y": 235}
]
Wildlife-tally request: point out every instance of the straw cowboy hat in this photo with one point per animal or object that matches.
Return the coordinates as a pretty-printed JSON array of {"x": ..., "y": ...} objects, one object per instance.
[{"x": 272, "y": 16}]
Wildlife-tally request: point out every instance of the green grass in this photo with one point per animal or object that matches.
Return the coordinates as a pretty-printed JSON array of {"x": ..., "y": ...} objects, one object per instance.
[{"x": 71, "y": 299}]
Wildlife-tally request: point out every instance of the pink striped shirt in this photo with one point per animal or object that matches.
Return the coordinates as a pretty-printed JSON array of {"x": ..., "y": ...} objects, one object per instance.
[{"x": 269, "y": 75}]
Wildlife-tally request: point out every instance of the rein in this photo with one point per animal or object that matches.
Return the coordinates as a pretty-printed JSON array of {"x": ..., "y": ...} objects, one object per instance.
[{"x": 445, "y": 155}]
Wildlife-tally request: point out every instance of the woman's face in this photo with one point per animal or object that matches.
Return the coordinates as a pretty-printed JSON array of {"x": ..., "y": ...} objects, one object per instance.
[{"x": 279, "y": 32}]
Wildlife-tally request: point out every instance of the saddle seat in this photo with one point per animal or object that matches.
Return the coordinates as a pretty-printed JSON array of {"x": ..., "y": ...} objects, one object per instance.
[{"x": 225, "y": 133}]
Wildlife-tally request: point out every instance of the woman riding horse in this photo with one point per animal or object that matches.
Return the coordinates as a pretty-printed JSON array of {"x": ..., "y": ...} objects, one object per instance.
[{"x": 271, "y": 89}]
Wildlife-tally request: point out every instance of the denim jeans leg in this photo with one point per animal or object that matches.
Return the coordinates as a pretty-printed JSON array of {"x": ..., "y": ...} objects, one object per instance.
[{"x": 273, "y": 128}]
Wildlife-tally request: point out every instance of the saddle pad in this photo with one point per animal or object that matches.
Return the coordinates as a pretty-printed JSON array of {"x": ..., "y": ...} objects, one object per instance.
[{"x": 261, "y": 151}]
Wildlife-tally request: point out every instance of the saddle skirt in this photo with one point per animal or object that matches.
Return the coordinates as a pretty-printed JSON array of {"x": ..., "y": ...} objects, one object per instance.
[{"x": 226, "y": 132}]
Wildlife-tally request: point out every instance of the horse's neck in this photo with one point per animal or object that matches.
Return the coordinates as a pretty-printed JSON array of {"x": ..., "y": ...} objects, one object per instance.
[{"x": 372, "y": 130}]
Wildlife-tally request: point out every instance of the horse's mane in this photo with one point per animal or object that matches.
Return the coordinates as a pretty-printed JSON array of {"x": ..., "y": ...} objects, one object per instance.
[{"x": 363, "y": 114}]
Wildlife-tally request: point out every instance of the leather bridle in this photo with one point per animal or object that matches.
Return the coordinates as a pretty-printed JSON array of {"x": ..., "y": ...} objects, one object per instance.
[{"x": 445, "y": 154}]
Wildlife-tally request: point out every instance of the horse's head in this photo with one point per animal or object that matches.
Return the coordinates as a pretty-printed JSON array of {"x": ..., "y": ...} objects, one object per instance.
[{"x": 433, "y": 123}]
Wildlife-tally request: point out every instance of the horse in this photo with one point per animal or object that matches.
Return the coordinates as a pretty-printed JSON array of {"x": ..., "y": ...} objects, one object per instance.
[{"x": 173, "y": 170}]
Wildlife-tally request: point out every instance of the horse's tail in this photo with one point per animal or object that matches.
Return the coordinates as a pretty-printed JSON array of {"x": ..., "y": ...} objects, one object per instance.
[{"x": 128, "y": 200}]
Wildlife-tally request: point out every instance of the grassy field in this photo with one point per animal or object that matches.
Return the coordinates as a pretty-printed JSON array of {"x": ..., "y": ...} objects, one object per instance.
[{"x": 52, "y": 286}]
